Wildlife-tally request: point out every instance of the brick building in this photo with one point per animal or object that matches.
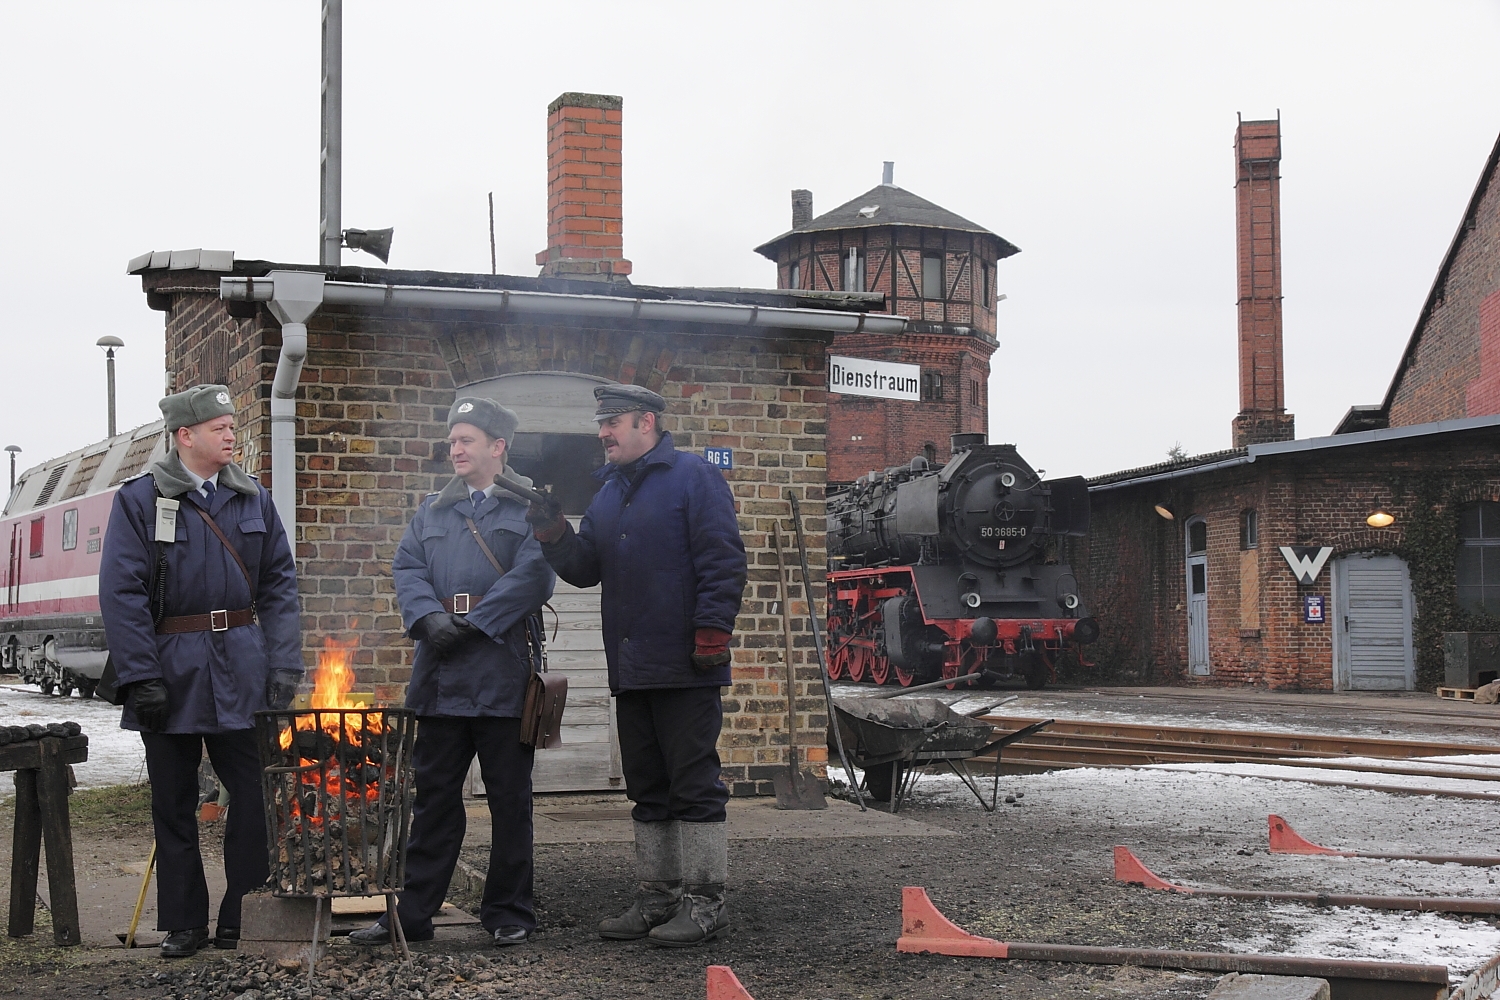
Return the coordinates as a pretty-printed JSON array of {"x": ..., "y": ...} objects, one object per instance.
[
  {"x": 923, "y": 262},
  {"x": 1325, "y": 563},
  {"x": 387, "y": 353}
]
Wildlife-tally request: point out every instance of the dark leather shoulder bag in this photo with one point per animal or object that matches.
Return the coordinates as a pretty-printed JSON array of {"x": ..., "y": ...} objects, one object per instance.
[{"x": 546, "y": 694}]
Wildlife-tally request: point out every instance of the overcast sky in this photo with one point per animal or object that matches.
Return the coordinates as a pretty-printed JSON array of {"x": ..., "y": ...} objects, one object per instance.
[{"x": 1096, "y": 137}]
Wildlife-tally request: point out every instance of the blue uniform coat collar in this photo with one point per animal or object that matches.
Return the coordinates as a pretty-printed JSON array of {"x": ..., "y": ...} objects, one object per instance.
[{"x": 663, "y": 454}]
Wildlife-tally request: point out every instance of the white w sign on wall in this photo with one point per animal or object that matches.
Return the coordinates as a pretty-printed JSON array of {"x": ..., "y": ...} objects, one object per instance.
[{"x": 1306, "y": 561}]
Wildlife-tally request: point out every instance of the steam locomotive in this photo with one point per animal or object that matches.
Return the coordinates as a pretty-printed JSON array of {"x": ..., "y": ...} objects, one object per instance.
[{"x": 941, "y": 573}]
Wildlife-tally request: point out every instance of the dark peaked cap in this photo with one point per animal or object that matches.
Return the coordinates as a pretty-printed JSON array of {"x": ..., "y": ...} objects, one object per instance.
[
  {"x": 195, "y": 405},
  {"x": 489, "y": 416},
  {"x": 617, "y": 398}
]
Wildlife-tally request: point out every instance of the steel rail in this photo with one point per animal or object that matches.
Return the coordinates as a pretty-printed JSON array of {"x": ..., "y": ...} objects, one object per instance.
[{"x": 1282, "y": 839}]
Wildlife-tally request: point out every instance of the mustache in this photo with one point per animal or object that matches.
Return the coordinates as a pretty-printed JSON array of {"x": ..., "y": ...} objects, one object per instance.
[{"x": 608, "y": 442}]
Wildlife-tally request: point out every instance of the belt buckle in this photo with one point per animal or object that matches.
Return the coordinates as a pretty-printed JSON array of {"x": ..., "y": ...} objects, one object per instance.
[
  {"x": 460, "y": 604},
  {"x": 215, "y": 617}
]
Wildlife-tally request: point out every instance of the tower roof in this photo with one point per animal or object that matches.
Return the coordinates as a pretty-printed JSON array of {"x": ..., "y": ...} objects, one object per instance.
[{"x": 888, "y": 205}]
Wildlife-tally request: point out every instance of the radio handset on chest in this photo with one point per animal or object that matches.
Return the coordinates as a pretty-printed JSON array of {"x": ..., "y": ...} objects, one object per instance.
[{"x": 166, "y": 519}]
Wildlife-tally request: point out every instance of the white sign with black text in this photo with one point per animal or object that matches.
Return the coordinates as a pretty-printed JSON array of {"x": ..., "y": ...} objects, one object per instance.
[{"x": 885, "y": 379}]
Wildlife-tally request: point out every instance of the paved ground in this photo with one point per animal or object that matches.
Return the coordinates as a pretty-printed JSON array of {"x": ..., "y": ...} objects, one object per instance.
[{"x": 815, "y": 896}]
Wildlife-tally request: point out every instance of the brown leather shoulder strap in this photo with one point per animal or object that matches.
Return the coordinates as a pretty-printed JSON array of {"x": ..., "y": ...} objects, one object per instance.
[
  {"x": 232, "y": 551},
  {"x": 474, "y": 530}
]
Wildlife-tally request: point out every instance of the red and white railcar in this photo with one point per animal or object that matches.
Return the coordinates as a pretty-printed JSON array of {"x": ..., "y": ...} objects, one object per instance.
[{"x": 52, "y": 534}]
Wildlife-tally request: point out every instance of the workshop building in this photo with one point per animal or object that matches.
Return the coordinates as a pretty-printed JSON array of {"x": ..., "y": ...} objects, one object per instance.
[{"x": 1326, "y": 563}]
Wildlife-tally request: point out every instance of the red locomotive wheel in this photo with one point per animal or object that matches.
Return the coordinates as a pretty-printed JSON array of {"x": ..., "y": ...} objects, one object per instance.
[
  {"x": 858, "y": 662},
  {"x": 880, "y": 669},
  {"x": 904, "y": 677},
  {"x": 839, "y": 650}
]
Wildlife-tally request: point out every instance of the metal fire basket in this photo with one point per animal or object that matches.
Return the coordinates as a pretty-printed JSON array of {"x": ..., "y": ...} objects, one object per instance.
[{"x": 338, "y": 794}]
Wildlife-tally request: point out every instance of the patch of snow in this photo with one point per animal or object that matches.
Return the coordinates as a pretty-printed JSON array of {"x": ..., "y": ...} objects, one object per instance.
[{"x": 116, "y": 756}]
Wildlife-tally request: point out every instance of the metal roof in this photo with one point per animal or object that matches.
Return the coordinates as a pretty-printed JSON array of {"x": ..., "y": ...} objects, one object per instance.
[
  {"x": 1245, "y": 456},
  {"x": 889, "y": 205}
]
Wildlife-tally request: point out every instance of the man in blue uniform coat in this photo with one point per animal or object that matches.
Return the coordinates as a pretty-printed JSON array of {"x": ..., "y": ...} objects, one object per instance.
[
  {"x": 662, "y": 537},
  {"x": 203, "y": 631},
  {"x": 468, "y": 682}
]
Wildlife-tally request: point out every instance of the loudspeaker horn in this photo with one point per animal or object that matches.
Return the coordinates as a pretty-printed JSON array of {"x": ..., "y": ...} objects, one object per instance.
[{"x": 376, "y": 242}]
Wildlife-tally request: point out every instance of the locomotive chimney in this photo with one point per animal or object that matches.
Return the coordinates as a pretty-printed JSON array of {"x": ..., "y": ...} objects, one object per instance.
[
  {"x": 963, "y": 442},
  {"x": 802, "y": 212},
  {"x": 1262, "y": 417}
]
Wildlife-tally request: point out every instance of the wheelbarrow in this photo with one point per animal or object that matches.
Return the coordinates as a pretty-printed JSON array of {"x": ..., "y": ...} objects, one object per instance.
[{"x": 892, "y": 741}]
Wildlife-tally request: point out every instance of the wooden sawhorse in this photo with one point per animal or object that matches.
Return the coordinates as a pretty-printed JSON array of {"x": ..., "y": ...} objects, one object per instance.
[{"x": 41, "y": 768}]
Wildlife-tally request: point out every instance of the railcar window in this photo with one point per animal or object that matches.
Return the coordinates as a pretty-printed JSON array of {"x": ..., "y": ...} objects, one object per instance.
[
  {"x": 1198, "y": 537},
  {"x": 1479, "y": 557},
  {"x": 932, "y": 276},
  {"x": 70, "y": 529},
  {"x": 38, "y": 524}
]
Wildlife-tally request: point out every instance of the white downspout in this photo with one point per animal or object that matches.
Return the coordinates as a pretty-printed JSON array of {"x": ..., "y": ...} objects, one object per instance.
[{"x": 295, "y": 296}]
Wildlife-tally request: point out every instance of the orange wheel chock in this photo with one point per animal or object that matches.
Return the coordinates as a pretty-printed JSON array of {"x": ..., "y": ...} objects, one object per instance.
[
  {"x": 925, "y": 930},
  {"x": 1285, "y": 840},
  {"x": 1128, "y": 868},
  {"x": 723, "y": 984}
]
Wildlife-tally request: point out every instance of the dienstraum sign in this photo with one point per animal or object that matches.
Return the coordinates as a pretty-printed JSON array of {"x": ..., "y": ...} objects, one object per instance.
[{"x": 885, "y": 379}]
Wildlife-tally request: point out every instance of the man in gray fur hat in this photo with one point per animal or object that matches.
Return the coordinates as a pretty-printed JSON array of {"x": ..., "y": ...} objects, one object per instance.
[
  {"x": 471, "y": 582},
  {"x": 198, "y": 591}
]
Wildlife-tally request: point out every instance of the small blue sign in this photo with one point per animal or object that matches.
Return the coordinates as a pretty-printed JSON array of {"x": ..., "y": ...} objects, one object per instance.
[
  {"x": 1312, "y": 608},
  {"x": 719, "y": 458}
]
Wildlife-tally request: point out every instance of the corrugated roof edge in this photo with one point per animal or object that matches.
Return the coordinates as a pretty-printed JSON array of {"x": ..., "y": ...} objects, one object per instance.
[{"x": 1233, "y": 457}]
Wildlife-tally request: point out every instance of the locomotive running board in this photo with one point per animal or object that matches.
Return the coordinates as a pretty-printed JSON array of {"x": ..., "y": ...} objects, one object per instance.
[
  {"x": 925, "y": 931},
  {"x": 1130, "y": 869},
  {"x": 1285, "y": 840},
  {"x": 723, "y": 984}
]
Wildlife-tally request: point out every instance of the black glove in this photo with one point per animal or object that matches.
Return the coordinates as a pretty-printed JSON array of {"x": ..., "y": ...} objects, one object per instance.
[
  {"x": 281, "y": 688},
  {"x": 444, "y": 631},
  {"x": 546, "y": 519},
  {"x": 148, "y": 700}
]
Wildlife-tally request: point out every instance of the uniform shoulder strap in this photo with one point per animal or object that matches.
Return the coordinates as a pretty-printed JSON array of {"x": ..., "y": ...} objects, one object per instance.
[{"x": 478, "y": 538}]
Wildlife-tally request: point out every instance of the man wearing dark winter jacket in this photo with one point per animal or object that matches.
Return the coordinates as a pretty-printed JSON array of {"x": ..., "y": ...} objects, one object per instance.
[
  {"x": 203, "y": 631},
  {"x": 468, "y": 577},
  {"x": 662, "y": 537}
]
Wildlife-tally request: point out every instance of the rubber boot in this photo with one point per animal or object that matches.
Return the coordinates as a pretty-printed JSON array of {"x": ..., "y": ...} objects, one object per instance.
[
  {"x": 658, "y": 867},
  {"x": 705, "y": 868}
]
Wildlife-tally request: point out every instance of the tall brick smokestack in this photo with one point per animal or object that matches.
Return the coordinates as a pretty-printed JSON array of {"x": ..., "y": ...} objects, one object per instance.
[
  {"x": 1257, "y": 195},
  {"x": 584, "y": 218}
]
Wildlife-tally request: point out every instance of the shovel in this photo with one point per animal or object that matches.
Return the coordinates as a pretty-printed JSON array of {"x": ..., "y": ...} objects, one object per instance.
[{"x": 796, "y": 789}]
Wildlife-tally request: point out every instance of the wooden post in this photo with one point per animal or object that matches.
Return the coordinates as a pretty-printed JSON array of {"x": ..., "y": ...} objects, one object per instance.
[
  {"x": 52, "y": 796},
  {"x": 26, "y": 856}
]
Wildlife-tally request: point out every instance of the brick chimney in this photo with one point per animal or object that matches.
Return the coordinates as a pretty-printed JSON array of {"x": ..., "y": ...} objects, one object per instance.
[
  {"x": 1257, "y": 193},
  {"x": 802, "y": 212},
  {"x": 584, "y": 190}
]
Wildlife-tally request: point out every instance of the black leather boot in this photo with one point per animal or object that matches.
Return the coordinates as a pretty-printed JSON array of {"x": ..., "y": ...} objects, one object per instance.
[{"x": 705, "y": 868}]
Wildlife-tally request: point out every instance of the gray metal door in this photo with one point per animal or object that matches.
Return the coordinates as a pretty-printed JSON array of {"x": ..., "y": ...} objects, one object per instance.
[{"x": 1372, "y": 624}]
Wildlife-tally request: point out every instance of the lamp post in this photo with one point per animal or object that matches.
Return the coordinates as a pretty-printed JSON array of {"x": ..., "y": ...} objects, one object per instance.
[
  {"x": 109, "y": 344},
  {"x": 14, "y": 450}
]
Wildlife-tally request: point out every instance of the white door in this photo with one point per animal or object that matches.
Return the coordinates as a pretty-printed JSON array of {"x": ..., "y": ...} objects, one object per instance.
[
  {"x": 1372, "y": 612},
  {"x": 1197, "y": 591}
]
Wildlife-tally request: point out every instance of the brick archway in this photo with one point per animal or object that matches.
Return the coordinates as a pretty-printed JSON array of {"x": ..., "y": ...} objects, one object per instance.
[{"x": 477, "y": 352}]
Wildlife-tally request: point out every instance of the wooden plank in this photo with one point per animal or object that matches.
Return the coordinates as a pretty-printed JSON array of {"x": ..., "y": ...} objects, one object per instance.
[
  {"x": 28, "y": 754},
  {"x": 569, "y": 640},
  {"x": 26, "y": 856},
  {"x": 57, "y": 831},
  {"x": 1456, "y": 694}
]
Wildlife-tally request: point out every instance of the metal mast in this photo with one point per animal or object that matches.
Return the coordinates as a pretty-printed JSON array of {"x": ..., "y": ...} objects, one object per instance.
[{"x": 331, "y": 191}]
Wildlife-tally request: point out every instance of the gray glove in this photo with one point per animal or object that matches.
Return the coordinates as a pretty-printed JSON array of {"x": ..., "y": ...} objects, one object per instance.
[{"x": 281, "y": 688}]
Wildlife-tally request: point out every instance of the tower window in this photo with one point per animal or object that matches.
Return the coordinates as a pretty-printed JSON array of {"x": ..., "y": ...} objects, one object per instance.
[
  {"x": 1249, "y": 529},
  {"x": 989, "y": 293},
  {"x": 932, "y": 276},
  {"x": 794, "y": 280},
  {"x": 973, "y": 392},
  {"x": 854, "y": 270},
  {"x": 929, "y": 452},
  {"x": 932, "y": 387}
]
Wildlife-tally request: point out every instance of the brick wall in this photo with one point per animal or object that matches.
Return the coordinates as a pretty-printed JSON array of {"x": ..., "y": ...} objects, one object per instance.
[
  {"x": 1132, "y": 567},
  {"x": 1444, "y": 356},
  {"x": 371, "y": 428},
  {"x": 1257, "y": 194}
]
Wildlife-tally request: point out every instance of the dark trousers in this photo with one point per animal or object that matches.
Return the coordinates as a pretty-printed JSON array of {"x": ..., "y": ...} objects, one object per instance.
[
  {"x": 172, "y": 761},
  {"x": 445, "y": 747},
  {"x": 669, "y": 752}
]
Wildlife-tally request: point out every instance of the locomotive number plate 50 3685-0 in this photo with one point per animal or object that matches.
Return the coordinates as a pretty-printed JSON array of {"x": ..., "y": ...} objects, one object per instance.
[{"x": 990, "y": 531}]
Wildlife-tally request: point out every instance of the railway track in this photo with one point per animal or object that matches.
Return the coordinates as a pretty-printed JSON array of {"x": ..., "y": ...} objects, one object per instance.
[{"x": 1107, "y": 744}]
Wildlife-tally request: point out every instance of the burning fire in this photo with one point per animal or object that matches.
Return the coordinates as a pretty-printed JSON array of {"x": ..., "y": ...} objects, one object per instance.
[{"x": 331, "y": 685}]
